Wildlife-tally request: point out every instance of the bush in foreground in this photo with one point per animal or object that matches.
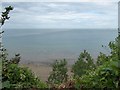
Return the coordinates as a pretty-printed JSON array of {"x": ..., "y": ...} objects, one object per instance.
[
  {"x": 14, "y": 76},
  {"x": 106, "y": 75},
  {"x": 59, "y": 73},
  {"x": 85, "y": 62}
]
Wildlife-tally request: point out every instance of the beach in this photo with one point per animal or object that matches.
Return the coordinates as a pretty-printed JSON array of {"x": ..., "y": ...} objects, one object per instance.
[{"x": 42, "y": 71}]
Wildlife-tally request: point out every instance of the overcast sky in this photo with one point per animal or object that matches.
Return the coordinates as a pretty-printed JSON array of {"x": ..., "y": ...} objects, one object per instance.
[{"x": 63, "y": 15}]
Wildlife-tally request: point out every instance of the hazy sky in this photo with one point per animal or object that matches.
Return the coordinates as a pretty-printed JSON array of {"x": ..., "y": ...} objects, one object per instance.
[{"x": 63, "y": 15}]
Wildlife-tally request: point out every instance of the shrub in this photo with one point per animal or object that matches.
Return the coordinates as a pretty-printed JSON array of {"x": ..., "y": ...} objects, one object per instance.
[
  {"x": 84, "y": 63},
  {"x": 106, "y": 75},
  {"x": 59, "y": 72},
  {"x": 19, "y": 77}
]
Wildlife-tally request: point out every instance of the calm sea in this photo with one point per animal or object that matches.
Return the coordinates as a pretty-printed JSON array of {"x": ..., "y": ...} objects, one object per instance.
[{"x": 46, "y": 45}]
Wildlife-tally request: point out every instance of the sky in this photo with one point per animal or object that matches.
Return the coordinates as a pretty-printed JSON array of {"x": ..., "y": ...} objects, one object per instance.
[{"x": 87, "y": 14}]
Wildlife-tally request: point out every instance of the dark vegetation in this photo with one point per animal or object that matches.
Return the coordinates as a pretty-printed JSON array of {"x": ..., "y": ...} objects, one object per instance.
[{"x": 102, "y": 74}]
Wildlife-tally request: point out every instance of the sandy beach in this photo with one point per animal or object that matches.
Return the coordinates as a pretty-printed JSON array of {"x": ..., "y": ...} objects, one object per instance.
[{"x": 41, "y": 70}]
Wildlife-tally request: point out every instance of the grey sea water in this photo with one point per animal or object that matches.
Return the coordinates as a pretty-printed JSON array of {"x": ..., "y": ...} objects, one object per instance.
[{"x": 46, "y": 45}]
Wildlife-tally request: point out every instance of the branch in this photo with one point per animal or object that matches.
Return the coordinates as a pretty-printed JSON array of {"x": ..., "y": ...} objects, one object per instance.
[{"x": 5, "y": 14}]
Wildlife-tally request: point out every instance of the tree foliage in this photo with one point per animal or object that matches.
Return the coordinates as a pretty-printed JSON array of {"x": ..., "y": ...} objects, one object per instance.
[
  {"x": 14, "y": 76},
  {"x": 5, "y": 14},
  {"x": 106, "y": 74},
  {"x": 85, "y": 62},
  {"x": 59, "y": 72}
]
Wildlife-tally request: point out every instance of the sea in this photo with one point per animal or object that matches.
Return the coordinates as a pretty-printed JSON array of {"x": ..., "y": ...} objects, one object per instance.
[{"x": 47, "y": 45}]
